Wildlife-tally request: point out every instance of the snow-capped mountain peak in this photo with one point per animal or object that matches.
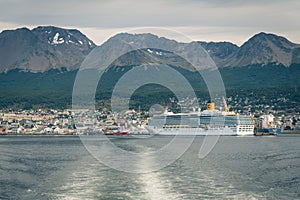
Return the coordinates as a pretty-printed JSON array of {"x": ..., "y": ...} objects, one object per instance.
[{"x": 43, "y": 48}]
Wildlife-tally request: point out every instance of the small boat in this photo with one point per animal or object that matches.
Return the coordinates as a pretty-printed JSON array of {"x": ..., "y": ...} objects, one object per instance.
[
  {"x": 121, "y": 133},
  {"x": 114, "y": 130},
  {"x": 267, "y": 131}
]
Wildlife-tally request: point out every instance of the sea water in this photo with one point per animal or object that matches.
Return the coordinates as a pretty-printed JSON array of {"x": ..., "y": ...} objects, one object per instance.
[{"x": 49, "y": 167}]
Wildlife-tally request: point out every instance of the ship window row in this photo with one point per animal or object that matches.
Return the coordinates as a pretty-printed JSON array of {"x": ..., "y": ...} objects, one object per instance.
[
  {"x": 245, "y": 129},
  {"x": 227, "y": 121}
]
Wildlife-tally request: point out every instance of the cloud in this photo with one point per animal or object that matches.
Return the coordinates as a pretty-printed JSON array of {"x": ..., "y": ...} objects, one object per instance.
[
  {"x": 236, "y": 17},
  {"x": 124, "y": 13}
]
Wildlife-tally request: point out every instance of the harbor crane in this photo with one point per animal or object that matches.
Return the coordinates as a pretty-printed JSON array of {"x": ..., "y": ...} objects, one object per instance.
[{"x": 225, "y": 104}]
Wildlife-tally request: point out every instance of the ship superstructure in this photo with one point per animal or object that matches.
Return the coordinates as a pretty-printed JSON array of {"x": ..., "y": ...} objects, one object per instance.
[{"x": 267, "y": 125}]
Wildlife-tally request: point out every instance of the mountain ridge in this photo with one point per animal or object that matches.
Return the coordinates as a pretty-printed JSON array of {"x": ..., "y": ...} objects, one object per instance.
[
  {"x": 48, "y": 47},
  {"x": 262, "y": 49},
  {"x": 52, "y": 86},
  {"x": 43, "y": 48}
]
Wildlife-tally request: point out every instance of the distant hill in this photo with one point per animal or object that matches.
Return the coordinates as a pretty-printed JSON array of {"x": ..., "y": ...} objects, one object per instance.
[
  {"x": 264, "y": 49},
  {"x": 43, "y": 48},
  {"x": 220, "y": 52},
  {"x": 54, "y": 88}
]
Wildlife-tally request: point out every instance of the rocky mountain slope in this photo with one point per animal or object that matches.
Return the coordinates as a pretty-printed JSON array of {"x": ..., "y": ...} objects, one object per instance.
[
  {"x": 47, "y": 47},
  {"x": 42, "y": 49},
  {"x": 261, "y": 49},
  {"x": 41, "y": 64}
]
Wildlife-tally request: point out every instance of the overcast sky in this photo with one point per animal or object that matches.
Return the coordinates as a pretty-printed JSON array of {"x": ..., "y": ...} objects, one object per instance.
[{"x": 208, "y": 20}]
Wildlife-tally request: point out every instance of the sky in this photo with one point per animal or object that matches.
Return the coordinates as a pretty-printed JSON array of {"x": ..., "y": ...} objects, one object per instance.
[{"x": 184, "y": 20}]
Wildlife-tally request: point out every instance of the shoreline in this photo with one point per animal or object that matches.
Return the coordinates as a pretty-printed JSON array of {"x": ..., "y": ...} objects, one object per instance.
[
  {"x": 290, "y": 132},
  {"x": 69, "y": 135},
  {"x": 2, "y": 135}
]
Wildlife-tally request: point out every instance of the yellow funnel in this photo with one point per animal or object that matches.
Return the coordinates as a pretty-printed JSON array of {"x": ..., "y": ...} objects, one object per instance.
[{"x": 210, "y": 106}]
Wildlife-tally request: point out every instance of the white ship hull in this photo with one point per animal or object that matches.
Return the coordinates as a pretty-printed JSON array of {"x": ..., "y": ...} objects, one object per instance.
[{"x": 200, "y": 131}]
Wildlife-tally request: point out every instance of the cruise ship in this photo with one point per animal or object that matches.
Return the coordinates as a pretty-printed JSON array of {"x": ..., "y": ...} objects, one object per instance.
[{"x": 207, "y": 122}]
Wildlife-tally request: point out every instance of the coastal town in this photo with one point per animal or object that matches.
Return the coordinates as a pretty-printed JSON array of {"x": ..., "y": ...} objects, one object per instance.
[
  {"x": 74, "y": 122},
  {"x": 67, "y": 122}
]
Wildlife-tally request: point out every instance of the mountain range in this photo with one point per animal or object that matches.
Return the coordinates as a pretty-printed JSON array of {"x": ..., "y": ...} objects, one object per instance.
[
  {"x": 261, "y": 49},
  {"x": 47, "y": 47},
  {"x": 39, "y": 66}
]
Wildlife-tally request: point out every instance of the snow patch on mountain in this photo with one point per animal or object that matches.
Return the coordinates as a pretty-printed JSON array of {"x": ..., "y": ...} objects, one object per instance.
[
  {"x": 149, "y": 50},
  {"x": 57, "y": 39},
  {"x": 156, "y": 52}
]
